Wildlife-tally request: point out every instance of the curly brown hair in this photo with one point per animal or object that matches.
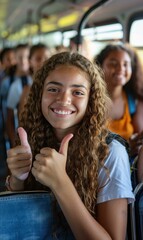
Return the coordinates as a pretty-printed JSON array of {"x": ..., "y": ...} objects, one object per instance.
[{"x": 88, "y": 148}]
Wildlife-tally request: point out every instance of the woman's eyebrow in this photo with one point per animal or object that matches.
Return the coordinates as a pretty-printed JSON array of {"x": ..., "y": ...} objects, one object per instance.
[
  {"x": 79, "y": 86},
  {"x": 60, "y": 84},
  {"x": 55, "y": 83},
  {"x": 113, "y": 59}
]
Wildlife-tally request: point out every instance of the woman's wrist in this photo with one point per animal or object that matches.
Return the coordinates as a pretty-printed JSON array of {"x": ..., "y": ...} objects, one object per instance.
[
  {"x": 62, "y": 186},
  {"x": 14, "y": 184}
]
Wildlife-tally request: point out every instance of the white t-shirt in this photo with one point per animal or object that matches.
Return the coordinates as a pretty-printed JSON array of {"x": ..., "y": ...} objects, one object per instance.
[
  {"x": 116, "y": 181},
  {"x": 15, "y": 92}
]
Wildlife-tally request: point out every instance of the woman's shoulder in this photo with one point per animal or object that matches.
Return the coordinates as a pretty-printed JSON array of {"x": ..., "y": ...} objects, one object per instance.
[
  {"x": 114, "y": 179},
  {"x": 116, "y": 141},
  {"x": 118, "y": 155}
]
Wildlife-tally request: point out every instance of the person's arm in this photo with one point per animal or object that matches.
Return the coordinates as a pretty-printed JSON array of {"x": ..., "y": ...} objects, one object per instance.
[
  {"x": 82, "y": 224},
  {"x": 112, "y": 215},
  {"x": 49, "y": 169},
  {"x": 111, "y": 221},
  {"x": 137, "y": 119}
]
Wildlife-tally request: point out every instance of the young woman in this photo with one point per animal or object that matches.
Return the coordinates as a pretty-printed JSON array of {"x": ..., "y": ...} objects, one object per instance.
[
  {"x": 63, "y": 148},
  {"x": 121, "y": 68},
  {"x": 17, "y": 81},
  {"x": 37, "y": 55}
]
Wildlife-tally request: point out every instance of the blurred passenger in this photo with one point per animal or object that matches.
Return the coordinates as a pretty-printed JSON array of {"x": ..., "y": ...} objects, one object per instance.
[
  {"x": 38, "y": 54},
  {"x": 135, "y": 88},
  {"x": 61, "y": 48},
  {"x": 7, "y": 60},
  {"x": 123, "y": 73},
  {"x": 117, "y": 62},
  {"x": 21, "y": 78},
  {"x": 82, "y": 45}
]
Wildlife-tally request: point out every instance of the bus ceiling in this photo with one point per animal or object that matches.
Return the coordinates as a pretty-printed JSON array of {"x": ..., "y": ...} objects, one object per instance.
[{"x": 27, "y": 20}]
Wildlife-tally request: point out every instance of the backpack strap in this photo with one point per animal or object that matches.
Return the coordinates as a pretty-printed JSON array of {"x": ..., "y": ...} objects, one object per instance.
[
  {"x": 120, "y": 139},
  {"x": 11, "y": 79},
  {"x": 131, "y": 103},
  {"x": 24, "y": 81}
]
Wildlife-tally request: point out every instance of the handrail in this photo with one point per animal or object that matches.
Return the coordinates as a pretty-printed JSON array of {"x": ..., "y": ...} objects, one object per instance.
[
  {"x": 85, "y": 19},
  {"x": 41, "y": 7}
]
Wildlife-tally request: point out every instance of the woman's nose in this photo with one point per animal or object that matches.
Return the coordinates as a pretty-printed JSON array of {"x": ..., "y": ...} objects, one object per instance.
[
  {"x": 121, "y": 67},
  {"x": 64, "y": 99}
]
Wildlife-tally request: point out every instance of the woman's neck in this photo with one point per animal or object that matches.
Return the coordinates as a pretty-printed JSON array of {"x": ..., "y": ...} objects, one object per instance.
[
  {"x": 21, "y": 73},
  {"x": 61, "y": 133},
  {"x": 116, "y": 93}
]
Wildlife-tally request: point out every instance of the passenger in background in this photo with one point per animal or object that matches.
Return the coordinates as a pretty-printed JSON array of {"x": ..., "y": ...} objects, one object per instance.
[
  {"x": 119, "y": 66},
  {"x": 84, "y": 46},
  {"x": 61, "y": 48},
  {"x": 38, "y": 54},
  {"x": 124, "y": 74},
  {"x": 63, "y": 147},
  {"x": 7, "y": 60},
  {"x": 20, "y": 79},
  {"x": 135, "y": 88}
]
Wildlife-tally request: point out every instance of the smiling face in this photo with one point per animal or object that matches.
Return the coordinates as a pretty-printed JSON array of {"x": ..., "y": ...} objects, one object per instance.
[
  {"x": 117, "y": 68},
  {"x": 22, "y": 59},
  {"x": 9, "y": 59},
  {"x": 38, "y": 57},
  {"x": 65, "y": 97}
]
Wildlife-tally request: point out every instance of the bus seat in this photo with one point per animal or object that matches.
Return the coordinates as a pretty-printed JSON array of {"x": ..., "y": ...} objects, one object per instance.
[
  {"x": 136, "y": 214},
  {"x": 31, "y": 215},
  {"x": 134, "y": 179}
]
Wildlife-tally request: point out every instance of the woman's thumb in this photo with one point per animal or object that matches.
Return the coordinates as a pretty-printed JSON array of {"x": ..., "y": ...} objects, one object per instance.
[
  {"x": 24, "y": 142},
  {"x": 23, "y": 137},
  {"x": 64, "y": 144}
]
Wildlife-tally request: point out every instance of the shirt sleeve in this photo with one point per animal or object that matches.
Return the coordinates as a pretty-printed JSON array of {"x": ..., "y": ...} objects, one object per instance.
[
  {"x": 114, "y": 180},
  {"x": 14, "y": 94}
]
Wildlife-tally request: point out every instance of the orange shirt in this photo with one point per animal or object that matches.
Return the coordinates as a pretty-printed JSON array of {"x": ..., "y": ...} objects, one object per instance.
[{"x": 123, "y": 126}]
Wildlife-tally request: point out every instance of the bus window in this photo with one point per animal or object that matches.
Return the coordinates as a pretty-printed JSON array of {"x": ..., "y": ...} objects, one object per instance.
[
  {"x": 105, "y": 34},
  {"x": 135, "y": 35},
  {"x": 98, "y": 35},
  {"x": 109, "y": 32},
  {"x": 135, "y": 31}
]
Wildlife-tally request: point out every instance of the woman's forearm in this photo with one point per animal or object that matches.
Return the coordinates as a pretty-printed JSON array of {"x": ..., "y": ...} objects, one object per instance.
[{"x": 82, "y": 224}]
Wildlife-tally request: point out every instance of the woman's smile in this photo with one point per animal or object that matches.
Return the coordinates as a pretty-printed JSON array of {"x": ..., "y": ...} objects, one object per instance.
[{"x": 62, "y": 112}]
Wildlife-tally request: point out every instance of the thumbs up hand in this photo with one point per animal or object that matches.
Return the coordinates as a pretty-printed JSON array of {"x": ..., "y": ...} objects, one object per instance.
[
  {"x": 20, "y": 158},
  {"x": 49, "y": 167}
]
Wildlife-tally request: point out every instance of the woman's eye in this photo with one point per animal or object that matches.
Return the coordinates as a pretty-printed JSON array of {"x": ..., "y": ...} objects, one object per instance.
[
  {"x": 113, "y": 63},
  {"x": 52, "y": 90},
  {"x": 127, "y": 64},
  {"x": 78, "y": 93}
]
